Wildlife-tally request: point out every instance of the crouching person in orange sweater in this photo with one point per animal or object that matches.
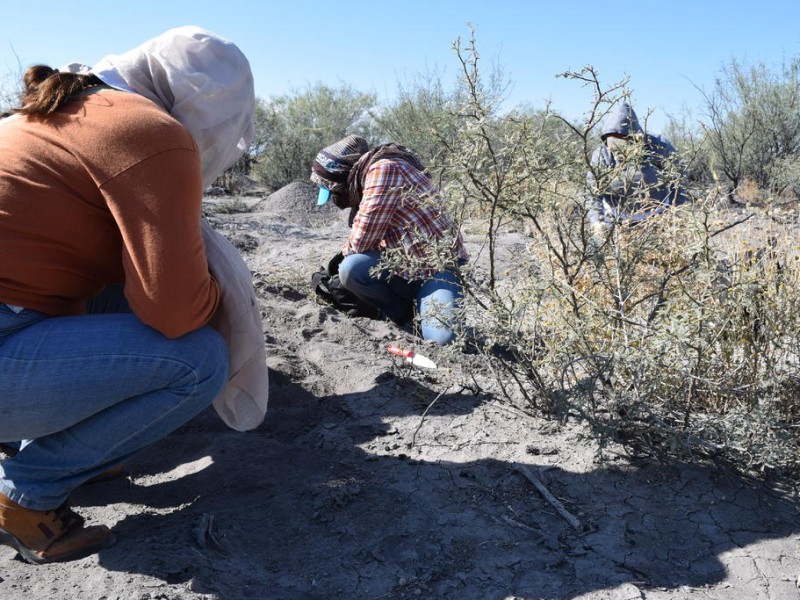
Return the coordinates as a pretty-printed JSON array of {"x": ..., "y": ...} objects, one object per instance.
[{"x": 105, "y": 289}]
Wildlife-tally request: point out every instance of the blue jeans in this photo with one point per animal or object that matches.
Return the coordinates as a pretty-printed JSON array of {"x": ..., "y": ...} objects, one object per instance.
[
  {"x": 437, "y": 298},
  {"x": 86, "y": 392}
]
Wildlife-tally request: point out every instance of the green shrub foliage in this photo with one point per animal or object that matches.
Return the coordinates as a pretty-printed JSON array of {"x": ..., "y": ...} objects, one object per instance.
[{"x": 291, "y": 129}]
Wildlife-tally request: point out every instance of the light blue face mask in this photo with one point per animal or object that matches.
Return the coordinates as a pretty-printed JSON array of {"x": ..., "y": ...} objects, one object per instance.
[{"x": 324, "y": 196}]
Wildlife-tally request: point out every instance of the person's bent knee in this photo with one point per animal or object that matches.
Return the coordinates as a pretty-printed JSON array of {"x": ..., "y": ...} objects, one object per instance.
[
  {"x": 441, "y": 335},
  {"x": 211, "y": 362},
  {"x": 218, "y": 359},
  {"x": 346, "y": 272},
  {"x": 354, "y": 270}
]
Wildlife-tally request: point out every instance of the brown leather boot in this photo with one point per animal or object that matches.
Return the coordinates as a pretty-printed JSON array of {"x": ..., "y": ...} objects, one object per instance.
[{"x": 44, "y": 536}]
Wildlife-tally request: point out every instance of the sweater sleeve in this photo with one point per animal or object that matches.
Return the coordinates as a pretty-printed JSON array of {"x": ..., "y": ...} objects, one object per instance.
[{"x": 156, "y": 204}]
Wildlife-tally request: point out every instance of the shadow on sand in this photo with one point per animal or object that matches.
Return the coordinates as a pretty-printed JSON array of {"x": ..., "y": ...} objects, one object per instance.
[{"x": 299, "y": 509}]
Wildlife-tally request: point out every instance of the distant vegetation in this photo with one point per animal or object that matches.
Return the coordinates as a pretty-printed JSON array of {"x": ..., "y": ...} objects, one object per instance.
[
  {"x": 746, "y": 137},
  {"x": 678, "y": 336}
]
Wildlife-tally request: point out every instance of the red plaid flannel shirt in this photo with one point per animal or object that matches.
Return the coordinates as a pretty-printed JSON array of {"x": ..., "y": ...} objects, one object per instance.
[{"x": 400, "y": 211}]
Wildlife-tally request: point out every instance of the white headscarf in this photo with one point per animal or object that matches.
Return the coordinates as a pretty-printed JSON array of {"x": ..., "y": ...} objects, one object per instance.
[{"x": 202, "y": 80}]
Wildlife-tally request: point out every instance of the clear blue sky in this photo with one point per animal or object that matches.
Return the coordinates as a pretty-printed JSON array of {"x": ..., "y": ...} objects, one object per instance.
[{"x": 665, "y": 48}]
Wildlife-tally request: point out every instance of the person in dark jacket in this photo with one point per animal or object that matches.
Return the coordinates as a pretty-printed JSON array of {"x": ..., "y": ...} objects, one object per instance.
[{"x": 632, "y": 174}]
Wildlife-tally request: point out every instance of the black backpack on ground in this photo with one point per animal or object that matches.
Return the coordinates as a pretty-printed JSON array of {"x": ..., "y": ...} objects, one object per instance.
[{"x": 329, "y": 290}]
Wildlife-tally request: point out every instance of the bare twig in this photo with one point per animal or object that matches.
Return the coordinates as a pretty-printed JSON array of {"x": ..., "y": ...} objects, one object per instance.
[
  {"x": 568, "y": 517},
  {"x": 515, "y": 523},
  {"x": 422, "y": 418},
  {"x": 204, "y": 532}
]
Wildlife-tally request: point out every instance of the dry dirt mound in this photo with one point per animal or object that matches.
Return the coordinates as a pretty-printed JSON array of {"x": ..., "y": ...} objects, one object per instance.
[{"x": 297, "y": 200}]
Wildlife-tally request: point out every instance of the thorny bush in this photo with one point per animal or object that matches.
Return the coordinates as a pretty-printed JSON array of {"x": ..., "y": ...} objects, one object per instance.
[{"x": 678, "y": 335}]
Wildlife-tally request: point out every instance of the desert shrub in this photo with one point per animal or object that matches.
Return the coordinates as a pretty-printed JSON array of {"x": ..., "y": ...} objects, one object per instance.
[
  {"x": 234, "y": 177},
  {"x": 677, "y": 335},
  {"x": 752, "y": 123},
  {"x": 787, "y": 176},
  {"x": 418, "y": 110},
  {"x": 664, "y": 333},
  {"x": 694, "y": 151},
  {"x": 291, "y": 129}
]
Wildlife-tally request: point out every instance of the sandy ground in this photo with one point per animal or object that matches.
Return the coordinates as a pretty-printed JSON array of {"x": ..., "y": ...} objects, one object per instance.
[{"x": 373, "y": 479}]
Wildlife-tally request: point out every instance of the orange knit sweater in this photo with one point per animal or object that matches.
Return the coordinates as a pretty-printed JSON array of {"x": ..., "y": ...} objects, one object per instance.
[{"x": 106, "y": 190}]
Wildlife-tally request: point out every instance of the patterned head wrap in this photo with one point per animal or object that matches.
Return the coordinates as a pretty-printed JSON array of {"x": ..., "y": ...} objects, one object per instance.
[
  {"x": 333, "y": 164},
  {"x": 202, "y": 80}
]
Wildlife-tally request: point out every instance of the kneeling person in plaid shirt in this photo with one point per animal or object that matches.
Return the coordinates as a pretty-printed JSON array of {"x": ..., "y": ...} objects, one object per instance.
[{"x": 403, "y": 249}]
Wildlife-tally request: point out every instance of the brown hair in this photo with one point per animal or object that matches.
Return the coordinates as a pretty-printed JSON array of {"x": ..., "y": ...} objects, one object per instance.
[{"x": 47, "y": 89}]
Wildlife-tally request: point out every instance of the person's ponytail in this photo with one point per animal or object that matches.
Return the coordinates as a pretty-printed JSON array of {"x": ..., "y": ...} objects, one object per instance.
[{"x": 47, "y": 89}]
